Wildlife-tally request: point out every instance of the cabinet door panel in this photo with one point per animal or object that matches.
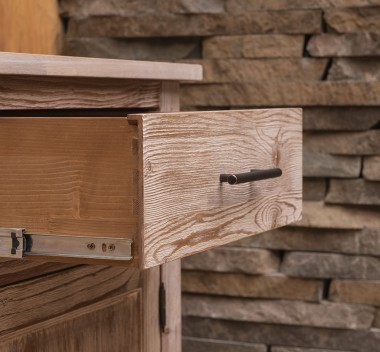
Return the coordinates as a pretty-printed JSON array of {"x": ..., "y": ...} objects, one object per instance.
[{"x": 111, "y": 325}]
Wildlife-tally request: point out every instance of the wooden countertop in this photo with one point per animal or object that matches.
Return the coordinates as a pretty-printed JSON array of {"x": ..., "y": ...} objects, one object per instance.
[{"x": 68, "y": 66}]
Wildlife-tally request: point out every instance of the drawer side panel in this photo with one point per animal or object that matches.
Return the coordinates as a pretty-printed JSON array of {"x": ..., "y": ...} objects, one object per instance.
[{"x": 69, "y": 176}]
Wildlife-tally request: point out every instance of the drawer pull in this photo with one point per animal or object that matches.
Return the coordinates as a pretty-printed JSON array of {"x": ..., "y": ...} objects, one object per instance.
[{"x": 253, "y": 175}]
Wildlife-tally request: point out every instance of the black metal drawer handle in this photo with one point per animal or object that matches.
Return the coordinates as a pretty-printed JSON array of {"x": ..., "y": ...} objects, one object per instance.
[{"x": 253, "y": 175}]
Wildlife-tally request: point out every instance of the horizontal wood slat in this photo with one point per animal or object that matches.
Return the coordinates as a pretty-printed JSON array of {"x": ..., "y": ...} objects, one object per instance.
[
  {"x": 17, "y": 93},
  {"x": 12, "y": 271},
  {"x": 113, "y": 324},
  {"x": 79, "y": 67},
  {"x": 36, "y": 300}
]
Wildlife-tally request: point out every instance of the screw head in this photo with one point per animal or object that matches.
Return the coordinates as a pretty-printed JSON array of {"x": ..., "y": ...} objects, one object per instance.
[
  {"x": 111, "y": 247},
  {"x": 91, "y": 246}
]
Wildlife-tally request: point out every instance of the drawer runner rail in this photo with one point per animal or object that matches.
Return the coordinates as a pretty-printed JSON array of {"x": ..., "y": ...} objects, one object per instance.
[{"x": 18, "y": 243}]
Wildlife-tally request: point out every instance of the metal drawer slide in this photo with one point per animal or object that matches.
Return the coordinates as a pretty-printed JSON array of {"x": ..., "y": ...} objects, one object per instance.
[{"x": 18, "y": 243}]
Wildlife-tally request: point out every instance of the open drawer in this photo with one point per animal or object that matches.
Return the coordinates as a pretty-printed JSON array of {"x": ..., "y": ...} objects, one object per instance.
[{"x": 146, "y": 189}]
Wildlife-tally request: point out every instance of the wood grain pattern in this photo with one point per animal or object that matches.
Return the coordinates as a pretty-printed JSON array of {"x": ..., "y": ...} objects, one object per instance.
[
  {"x": 110, "y": 325},
  {"x": 171, "y": 272},
  {"x": 35, "y": 300},
  {"x": 186, "y": 209},
  {"x": 66, "y": 66},
  {"x": 30, "y": 27},
  {"x": 72, "y": 93},
  {"x": 171, "y": 277},
  {"x": 12, "y": 271},
  {"x": 70, "y": 176},
  {"x": 151, "y": 326}
]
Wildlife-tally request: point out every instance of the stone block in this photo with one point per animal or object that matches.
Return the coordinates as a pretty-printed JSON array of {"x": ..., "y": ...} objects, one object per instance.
[
  {"x": 356, "y": 191},
  {"x": 353, "y": 19},
  {"x": 340, "y": 119},
  {"x": 176, "y": 25},
  {"x": 369, "y": 241},
  {"x": 350, "y": 44},
  {"x": 317, "y": 164},
  {"x": 376, "y": 322},
  {"x": 307, "y": 239},
  {"x": 193, "y": 344},
  {"x": 165, "y": 49},
  {"x": 85, "y": 8},
  {"x": 371, "y": 168},
  {"x": 282, "y": 335},
  {"x": 355, "y": 69},
  {"x": 344, "y": 143},
  {"x": 355, "y": 291},
  {"x": 197, "y": 6},
  {"x": 240, "y": 260},
  {"x": 289, "y": 238},
  {"x": 242, "y": 6},
  {"x": 325, "y": 314},
  {"x": 244, "y": 70},
  {"x": 319, "y": 215},
  {"x": 253, "y": 286},
  {"x": 313, "y": 189},
  {"x": 282, "y": 93},
  {"x": 301, "y": 349},
  {"x": 323, "y": 265},
  {"x": 253, "y": 46}
]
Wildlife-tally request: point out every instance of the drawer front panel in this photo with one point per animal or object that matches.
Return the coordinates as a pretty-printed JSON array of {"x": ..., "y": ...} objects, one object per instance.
[{"x": 185, "y": 208}]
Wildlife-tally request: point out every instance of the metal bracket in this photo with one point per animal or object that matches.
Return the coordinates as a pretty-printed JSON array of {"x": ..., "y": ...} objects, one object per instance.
[
  {"x": 162, "y": 307},
  {"x": 17, "y": 243},
  {"x": 11, "y": 243}
]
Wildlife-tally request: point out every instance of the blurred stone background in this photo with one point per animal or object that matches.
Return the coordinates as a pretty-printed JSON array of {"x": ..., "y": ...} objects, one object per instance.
[{"x": 314, "y": 286}]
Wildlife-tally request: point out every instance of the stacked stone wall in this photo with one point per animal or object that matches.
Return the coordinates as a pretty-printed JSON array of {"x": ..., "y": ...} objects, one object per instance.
[{"x": 314, "y": 286}]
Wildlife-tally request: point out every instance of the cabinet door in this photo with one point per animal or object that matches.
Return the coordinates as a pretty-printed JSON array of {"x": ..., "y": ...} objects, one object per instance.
[
  {"x": 111, "y": 325},
  {"x": 149, "y": 188}
]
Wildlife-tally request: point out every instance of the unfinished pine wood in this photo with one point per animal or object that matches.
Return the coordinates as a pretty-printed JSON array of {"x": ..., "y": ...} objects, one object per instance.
[
  {"x": 35, "y": 300},
  {"x": 169, "y": 101},
  {"x": 66, "y": 66},
  {"x": 113, "y": 324},
  {"x": 21, "y": 92},
  {"x": 30, "y": 27},
  {"x": 185, "y": 207},
  {"x": 69, "y": 176}
]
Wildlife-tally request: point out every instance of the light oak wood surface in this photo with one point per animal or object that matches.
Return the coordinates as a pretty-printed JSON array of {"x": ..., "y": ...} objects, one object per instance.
[
  {"x": 113, "y": 324},
  {"x": 20, "y": 92},
  {"x": 185, "y": 207},
  {"x": 171, "y": 272},
  {"x": 79, "y": 67}
]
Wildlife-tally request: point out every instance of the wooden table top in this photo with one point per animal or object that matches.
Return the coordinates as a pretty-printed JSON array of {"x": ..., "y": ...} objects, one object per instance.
[{"x": 68, "y": 66}]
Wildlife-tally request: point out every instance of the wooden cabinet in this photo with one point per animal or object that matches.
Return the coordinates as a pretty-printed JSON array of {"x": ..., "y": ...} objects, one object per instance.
[{"x": 98, "y": 166}]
